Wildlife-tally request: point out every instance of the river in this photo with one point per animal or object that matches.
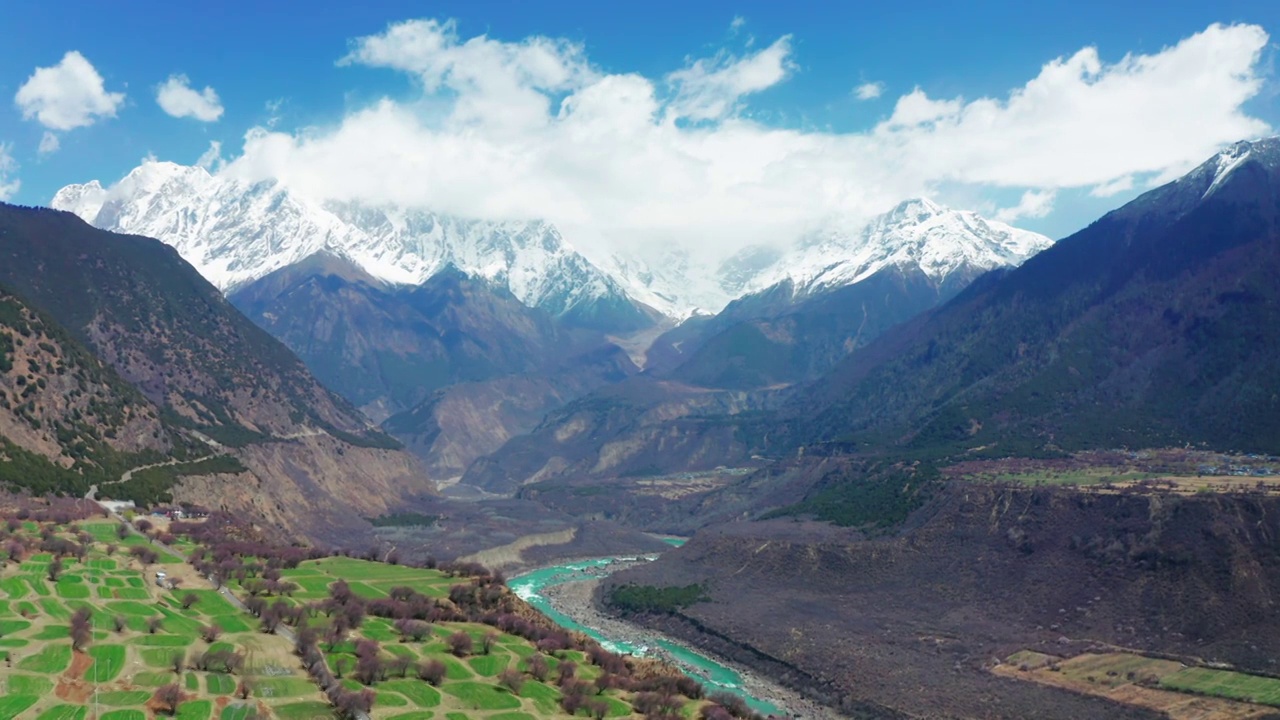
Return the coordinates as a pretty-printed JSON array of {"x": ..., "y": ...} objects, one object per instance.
[{"x": 717, "y": 677}]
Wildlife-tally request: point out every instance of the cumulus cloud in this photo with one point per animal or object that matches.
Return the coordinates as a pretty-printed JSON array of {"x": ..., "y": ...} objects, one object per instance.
[
  {"x": 1034, "y": 204},
  {"x": 177, "y": 98},
  {"x": 68, "y": 95},
  {"x": 711, "y": 89},
  {"x": 8, "y": 168},
  {"x": 501, "y": 86},
  {"x": 869, "y": 91},
  {"x": 49, "y": 143},
  {"x": 531, "y": 128}
]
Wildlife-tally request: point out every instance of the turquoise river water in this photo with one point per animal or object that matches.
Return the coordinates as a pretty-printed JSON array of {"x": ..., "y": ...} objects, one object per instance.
[{"x": 698, "y": 666}]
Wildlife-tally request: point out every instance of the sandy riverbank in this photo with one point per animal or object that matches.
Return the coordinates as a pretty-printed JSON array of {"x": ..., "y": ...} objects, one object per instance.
[{"x": 576, "y": 600}]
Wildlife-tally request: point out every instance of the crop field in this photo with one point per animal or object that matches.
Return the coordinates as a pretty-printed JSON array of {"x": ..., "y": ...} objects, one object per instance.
[
  {"x": 89, "y": 632},
  {"x": 123, "y": 660},
  {"x": 1224, "y": 683},
  {"x": 1164, "y": 685}
]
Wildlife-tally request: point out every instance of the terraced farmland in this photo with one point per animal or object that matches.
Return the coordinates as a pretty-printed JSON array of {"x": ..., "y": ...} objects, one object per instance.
[{"x": 86, "y": 631}]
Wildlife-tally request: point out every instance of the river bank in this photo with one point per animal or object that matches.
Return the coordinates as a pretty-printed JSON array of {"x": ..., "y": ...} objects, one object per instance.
[{"x": 568, "y": 593}]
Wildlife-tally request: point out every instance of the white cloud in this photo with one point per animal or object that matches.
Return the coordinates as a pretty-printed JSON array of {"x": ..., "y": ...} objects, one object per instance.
[
  {"x": 711, "y": 89},
  {"x": 737, "y": 23},
  {"x": 49, "y": 143},
  {"x": 1034, "y": 204},
  {"x": 532, "y": 129},
  {"x": 501, "y": 86},
  {"x": 8, "y": 168},
  {"x": 1115, "y": 187},
  {"x": 67, "y": 95},
  {"x": 211, "y": 159},
  {"x": 869, "y": 90},
  {"x": 177, "y": 98},
  {"x": 273, "y": 111}
]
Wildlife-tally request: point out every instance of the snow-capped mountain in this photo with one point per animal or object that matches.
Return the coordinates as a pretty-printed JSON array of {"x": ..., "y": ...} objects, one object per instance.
[
  {"x": 235, "y": 232},
  {"x": 944, "y": 244},
  {"x": 918, "y": 233}
]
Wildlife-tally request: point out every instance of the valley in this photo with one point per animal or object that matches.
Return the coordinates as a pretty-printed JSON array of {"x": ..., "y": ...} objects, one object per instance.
[
  {"x": 141, "y": 620},
  {"x": 273, "y": 450}
]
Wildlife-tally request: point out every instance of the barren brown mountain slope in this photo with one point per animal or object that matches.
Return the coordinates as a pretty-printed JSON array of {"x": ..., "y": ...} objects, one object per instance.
[{"x": 911, "y": 620}]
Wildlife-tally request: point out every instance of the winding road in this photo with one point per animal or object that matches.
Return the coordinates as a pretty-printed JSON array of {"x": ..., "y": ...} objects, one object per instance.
[{"x": 218, "y": 449}]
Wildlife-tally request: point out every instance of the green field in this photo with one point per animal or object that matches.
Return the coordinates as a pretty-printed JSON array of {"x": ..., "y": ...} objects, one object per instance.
[
  {"x": 13, "y": 705},
  {"x": 1224, "y": 683},
  {"x": 136, "y": 631},
  {"x": 108, "y": 660},
  {"x": 51, "y": 659},
  {"x": 1112, "y": 670}
]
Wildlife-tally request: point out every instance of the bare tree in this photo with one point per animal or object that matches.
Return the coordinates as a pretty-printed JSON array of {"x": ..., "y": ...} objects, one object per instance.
[
  {"x": 55, "y": 569},
  {"x": 486, "y": 644},
  {"x": 399, "y": 665},
  {"x": 119, "y": 623},
  {"x": 170, "y": 696},
  {"x": 211, "y": 632},
  {"x": 154, "y": 624},
  {"x": 460, "y": 644},
  {"x": 176, "y": 662},
  {"x": 81, "y": 628},
  {"x": 538, "y": 667},
  {"x": 245, "y": 688},
  {"x": 369, "y": 669},
  {"x": 512, "y": 680},
  {"x": 432, "y": 671}
]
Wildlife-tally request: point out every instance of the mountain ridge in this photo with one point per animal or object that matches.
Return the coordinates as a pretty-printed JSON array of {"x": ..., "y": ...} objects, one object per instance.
[
  {"x": 214, "y": 378},
  {"x": 1125, "y": 330},
  {"x": 236, "y": 232}
]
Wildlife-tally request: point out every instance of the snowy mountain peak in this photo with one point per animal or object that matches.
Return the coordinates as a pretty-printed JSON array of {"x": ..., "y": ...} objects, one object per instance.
[
  {"x": 917, "y": 233},
  {"x": 236, "y": 232},
  {"x": 1222, "y": 165},
  {"x": 914, "y": 210}
]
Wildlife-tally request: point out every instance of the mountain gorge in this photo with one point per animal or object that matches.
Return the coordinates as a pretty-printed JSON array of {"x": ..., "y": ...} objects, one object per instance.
[
  {"x": 464, "y": 336},
  {"x": 707, "y": 377},
  {"x": 985, "y": 479}
]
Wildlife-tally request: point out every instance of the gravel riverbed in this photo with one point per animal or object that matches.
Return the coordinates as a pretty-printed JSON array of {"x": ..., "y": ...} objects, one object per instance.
[{"x": 576, "y": 599}]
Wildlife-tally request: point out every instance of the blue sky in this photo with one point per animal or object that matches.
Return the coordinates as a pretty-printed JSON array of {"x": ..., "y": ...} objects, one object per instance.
[{"x": 275, "y": 68}]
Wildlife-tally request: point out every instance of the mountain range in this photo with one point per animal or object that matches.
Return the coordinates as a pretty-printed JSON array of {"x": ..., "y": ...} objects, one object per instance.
[
  {"x": 405, "y": 313},
  {"x": 235, "y": 232},
  {"x": 816, "y": 435}
]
